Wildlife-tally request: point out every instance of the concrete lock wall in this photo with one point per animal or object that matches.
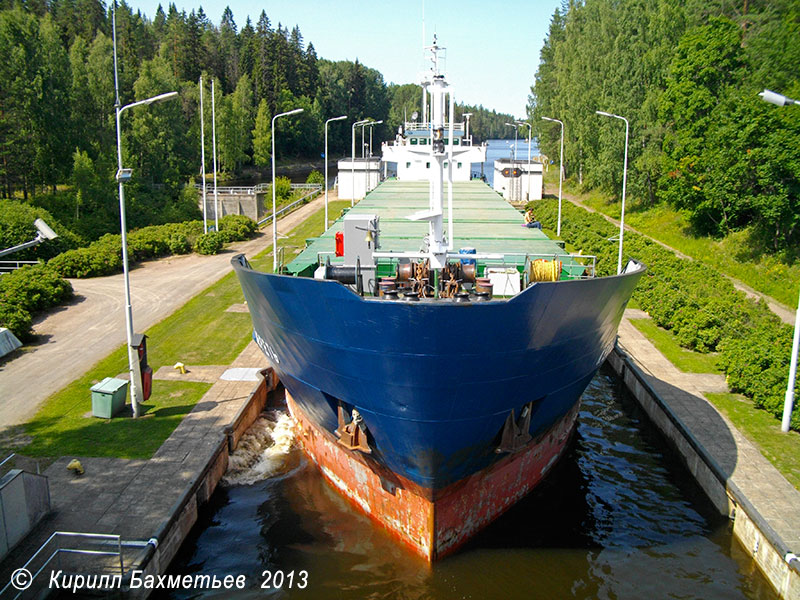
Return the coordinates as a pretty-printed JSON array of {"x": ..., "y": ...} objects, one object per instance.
[
  {"x": 749, "y": 528},
  {"x": 185, "y": 511},
  {"x": 249, "y": 205}
]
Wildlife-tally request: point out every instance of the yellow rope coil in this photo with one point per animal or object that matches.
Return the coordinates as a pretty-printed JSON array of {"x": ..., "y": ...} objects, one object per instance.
[{"x": 545, "y": 270}]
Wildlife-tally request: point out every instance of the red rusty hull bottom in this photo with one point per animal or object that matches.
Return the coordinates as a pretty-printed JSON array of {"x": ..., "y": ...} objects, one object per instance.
[{"x": 432, "y": 526}]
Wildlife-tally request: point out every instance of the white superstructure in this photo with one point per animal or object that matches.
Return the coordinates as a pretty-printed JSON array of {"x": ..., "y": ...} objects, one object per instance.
[{"x": 412, "y": 150}]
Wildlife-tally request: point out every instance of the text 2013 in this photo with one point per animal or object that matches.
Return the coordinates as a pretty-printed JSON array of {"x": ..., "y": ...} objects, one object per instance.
[{"x": 280, "y": 579}]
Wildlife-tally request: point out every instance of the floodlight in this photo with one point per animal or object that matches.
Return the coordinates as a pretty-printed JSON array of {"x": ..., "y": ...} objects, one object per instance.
[{"x": 45, "y": 231}]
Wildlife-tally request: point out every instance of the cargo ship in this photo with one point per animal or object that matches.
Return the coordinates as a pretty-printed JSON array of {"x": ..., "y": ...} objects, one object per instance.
[{"x": 434, "y": 359}]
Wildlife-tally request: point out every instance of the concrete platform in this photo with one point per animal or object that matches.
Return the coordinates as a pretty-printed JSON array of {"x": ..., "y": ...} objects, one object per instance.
[
  {"x": 155, "y": 498},
  {"x": 731, "y": 470}
]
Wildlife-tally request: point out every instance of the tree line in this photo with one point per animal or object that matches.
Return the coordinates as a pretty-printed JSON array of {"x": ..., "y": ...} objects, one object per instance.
[
  {"x": 57, "y": 99},
  {"x": 686, "y": 74}
]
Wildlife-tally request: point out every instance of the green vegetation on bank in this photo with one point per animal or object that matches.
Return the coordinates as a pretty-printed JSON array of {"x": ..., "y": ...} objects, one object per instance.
[
  {"x": 781, "y": 449},
  {"x": 687, "y": 361},
  {"x": 57, "y": 148},
  {"x": 686, "y": 75},
  {"x": 732, "y": 255},
  {"x": 201, "y": 332},
  {"x": 33, "y": 289},
  {"x": 698, "y": 305}
]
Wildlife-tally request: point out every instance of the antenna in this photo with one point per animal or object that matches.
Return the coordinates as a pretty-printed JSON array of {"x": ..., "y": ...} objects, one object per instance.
[{"x": 423, "y": 29}]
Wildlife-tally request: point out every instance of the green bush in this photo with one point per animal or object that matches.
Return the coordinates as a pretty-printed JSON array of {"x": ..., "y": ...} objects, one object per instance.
[
  {"x": 178, "y": 243},
  {"x": 149, "y": 242},
  {"x": 283, "y": 188},
  {"x": 104, "y": 256},
  {"x": 699, "y": 305},
  {"x": 315, "y": 177},
  {"x": 16, "y": 227},
  {"x": 209, "y": 243},
  {"x": 241, "y": 226},
  {"x": 92, "y": 261},
  {"x": 27, "y": 292},
  {"x": 17, "y": 319}
]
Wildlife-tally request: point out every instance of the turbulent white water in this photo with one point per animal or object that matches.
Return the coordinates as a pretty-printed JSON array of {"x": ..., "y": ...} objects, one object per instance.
[{"x": 263, "y": 450}]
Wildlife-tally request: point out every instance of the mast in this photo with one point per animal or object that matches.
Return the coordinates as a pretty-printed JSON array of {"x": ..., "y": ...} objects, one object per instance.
[{"x": 435, "y": 85}]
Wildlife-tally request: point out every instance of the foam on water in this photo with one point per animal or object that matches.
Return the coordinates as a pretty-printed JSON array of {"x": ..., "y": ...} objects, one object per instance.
[{"x": 263, "y": 450}]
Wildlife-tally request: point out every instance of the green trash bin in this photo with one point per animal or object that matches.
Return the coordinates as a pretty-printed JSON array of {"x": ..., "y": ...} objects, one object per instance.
[{"x": 108, "y": 397}]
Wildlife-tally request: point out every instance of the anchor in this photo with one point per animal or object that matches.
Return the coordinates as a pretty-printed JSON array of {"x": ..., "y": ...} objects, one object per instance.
[
  {"x": 353, "y": 435},
  {"x": 515, "y": 432}
]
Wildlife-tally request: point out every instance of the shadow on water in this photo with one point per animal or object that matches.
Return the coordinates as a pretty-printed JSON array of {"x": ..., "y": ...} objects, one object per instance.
[{"x": 617, "y": 518}]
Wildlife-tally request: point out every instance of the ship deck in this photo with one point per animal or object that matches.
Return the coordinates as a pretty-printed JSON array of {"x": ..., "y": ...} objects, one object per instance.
[{"x": 482, "y": 219}]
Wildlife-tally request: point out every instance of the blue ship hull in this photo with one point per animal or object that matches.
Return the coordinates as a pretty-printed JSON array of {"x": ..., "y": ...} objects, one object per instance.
[{"x": 435, "y": 381}]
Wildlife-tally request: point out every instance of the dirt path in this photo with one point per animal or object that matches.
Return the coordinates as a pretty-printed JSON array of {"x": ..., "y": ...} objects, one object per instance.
[
  {"x": 76, "y": 336},
  {"x": 784, "y": 313}
]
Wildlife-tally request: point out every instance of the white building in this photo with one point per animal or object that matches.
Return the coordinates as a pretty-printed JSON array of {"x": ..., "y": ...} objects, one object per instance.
[
  {"x": 359, "y": 177},
  {"x": 518, "y": 180},
  {"x": 411, "y": 152}
]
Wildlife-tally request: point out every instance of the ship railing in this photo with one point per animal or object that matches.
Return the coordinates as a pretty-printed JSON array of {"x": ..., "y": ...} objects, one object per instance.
[
  {"x": 577, "y": 266},
  {"x": 416, "y": 126}
]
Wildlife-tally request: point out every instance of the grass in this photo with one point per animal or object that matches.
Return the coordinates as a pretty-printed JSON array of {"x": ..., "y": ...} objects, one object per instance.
[
  {"x": 200, "y": 333},
  {"x": 732, "y": 255},
  {"x": 687, "y": 361},
  {"x": 761, "y": 428}
]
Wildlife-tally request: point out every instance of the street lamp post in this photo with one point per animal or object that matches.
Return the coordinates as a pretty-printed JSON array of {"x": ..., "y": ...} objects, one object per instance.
[
  {"x": 520, "y": 124},
  {"x": 368, "y": 165},
  {"x": 353, "y": 161},
  {"x": 122, "y": 176},
  {"x": 624, "y": 181},
  {"x": 203, "y": 157},
  {"x": 514, "y": 159},
  {"x": 561, "y": 171},
  {"x": 274, "y": 220},
  {"x": 788, "y": 402},
  {"x": 214, "y": 150},
  {"x": 326, "y": 164}
]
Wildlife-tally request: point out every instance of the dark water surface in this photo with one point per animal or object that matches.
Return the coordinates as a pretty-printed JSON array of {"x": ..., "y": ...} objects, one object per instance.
[{"x": 617, "y": 518}]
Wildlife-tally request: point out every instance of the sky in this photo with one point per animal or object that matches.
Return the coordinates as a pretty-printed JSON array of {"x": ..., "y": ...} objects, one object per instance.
[{"x": 492, "y": 47}]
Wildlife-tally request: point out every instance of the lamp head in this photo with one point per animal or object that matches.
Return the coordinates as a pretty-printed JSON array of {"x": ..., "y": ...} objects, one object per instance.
[
  {"x": 45, "y": 231},
  {"x": 775, "y": 98},
  {"x": 161, "y": 97}
]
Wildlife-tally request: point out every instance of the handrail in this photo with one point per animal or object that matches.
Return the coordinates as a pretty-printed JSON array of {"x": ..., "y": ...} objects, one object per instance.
[
  {"x": 7, "y": 458},
  {"x": 261, "y": 187},
  {"x": 288, "y": 206},
  {"x": 6, "y": 266},
  {"x": 104, "y": 538}
]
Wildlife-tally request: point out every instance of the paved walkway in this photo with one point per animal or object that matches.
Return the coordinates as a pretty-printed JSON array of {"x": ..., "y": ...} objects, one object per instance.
[
  {"x": 786, "y": 314},
  {"x": 133, "y": 498},
  {"x": 78, "y": 335},
  {"x": 741, "y": 462}
]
